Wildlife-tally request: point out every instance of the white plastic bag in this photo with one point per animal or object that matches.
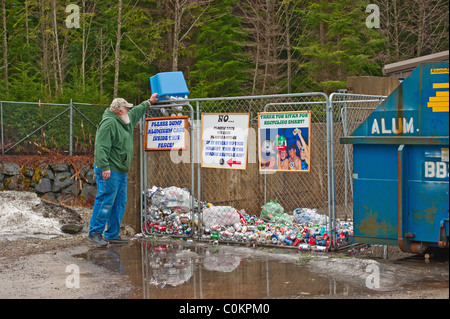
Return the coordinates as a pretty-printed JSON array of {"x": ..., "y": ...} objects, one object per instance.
[{"x": 220, "y": 215}]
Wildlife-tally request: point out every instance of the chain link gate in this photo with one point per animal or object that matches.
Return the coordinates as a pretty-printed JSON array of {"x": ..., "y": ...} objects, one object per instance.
[
  {"x": 163, "y": 169},
  {"x": 241, "y": 191},
  {"x": 348, "y": 112},
  {"x": 326, "y": 188}
]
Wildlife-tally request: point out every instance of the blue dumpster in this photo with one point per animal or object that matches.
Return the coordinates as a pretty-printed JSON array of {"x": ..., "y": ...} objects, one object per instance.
[
  {"x": 169, "y": 84},
  {"x": 401, "y": 165}
]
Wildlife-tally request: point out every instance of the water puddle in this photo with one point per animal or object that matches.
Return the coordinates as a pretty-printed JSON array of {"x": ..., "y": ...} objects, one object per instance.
[{"x": 198, "y": 271}]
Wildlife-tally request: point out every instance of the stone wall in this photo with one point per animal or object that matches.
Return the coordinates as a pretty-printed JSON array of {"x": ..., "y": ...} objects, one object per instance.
[{"x": 66, "y": 184}]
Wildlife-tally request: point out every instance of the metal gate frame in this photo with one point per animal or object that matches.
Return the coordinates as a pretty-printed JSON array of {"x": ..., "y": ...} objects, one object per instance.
[
  {"x": 340, "y": 103},
  {"x": 330, "y": 103}
]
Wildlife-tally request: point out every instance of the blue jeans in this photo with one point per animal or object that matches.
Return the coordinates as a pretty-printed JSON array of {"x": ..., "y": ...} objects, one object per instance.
[{"x": 109, "y": 204}]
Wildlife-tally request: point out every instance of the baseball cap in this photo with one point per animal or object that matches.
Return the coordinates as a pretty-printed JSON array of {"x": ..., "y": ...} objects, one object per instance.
[{"x": 119, "y": 102}]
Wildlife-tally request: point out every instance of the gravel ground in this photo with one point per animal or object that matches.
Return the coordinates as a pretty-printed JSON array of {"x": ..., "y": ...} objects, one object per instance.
[{"x": 37, "y": 268}]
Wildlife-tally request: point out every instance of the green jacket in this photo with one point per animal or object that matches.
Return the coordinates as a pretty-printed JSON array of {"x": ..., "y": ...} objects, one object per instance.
[{"x": 114, "y": 140}]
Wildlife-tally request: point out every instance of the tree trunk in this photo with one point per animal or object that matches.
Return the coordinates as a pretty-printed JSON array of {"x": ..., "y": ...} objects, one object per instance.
[
  {"x": 176, "y": 35},
  {"x": 101, "y": 62},
  {"x": 83, "y": 48},
  {"x": 44, "y": 42},
  {"x": 58, "y": 58},
  {"x": 117, "y": 53},
  {"x": 288, "y": 48},
  {"x": 27, "y": 27},
  {"x": 5, "y": 44}
]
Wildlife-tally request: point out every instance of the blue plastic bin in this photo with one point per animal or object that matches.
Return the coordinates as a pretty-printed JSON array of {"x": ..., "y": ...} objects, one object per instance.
[{"x": 169, "y": 84}]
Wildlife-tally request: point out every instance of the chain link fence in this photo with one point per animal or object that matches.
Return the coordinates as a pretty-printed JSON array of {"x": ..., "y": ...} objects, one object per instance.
[
  {"x": 229, "y": 193},
  {"x": 39, "y": 128},
  {"x": 349, "y": 111},
  {"x": 175, "y": 188}
]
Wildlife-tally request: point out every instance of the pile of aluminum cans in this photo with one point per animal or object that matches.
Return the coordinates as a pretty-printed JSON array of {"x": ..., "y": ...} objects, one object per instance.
[{"x": 169, "y": 213}]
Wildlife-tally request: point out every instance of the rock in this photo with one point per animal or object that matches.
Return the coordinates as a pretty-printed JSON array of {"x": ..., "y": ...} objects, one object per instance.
[
  {"x": 71, "y": 228},
  {"x": 62, "y": 180},
  {"x": 44, "y": 186},
  {"x": 129, "y": 231},
  {"x": 9, "y": 168},
  {"x": 49, "y": 173},
  {"x": 11, "y": 183},
  {"x": 90, "y": 177},
  {"x": 59, "y": 167},
  {"x": 89, "y": 192},
  {"x": 73, "y": 189},
  {"x": 28, "y": 172}
]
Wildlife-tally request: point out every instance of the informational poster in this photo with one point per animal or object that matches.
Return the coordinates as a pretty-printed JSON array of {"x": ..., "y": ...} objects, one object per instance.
[
  {"x": 166, "y": 133},
  {"x": 284, "y": 141},
  {"x": 225, "y": 140}
]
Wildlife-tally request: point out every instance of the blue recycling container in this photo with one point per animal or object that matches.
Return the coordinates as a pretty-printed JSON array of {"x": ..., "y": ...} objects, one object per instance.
[
  {"x": 169, "y": 84},
  {"x": 401, "y": 165}
]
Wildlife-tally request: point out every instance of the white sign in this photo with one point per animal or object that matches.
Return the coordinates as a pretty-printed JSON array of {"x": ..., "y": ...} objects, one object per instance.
[
  {"x": 225, "y": 140},
  {"x": 166, "y": 133}
]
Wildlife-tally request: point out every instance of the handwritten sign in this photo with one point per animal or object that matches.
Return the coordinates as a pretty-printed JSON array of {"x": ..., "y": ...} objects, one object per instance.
[
  {"x": 225, "y": 140},
  {"x": 166, "y": 133}
]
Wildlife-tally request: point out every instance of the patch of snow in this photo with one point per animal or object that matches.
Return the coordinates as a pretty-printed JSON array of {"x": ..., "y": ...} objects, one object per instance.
[{"x": 20, "y": 217}]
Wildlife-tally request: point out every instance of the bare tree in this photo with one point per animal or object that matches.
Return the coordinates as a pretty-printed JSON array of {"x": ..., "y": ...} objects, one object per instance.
[
  {"x": 261, "y": 19},
  {"x": 178, "y": 9},
  {"x": 5, "y": 44},
  {"x": 117, "y": 52},
  {"x": 414, "y": 27}
]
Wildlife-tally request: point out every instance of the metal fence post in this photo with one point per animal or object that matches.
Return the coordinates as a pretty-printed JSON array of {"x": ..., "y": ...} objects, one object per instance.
[{"x": 330, "y": 172}]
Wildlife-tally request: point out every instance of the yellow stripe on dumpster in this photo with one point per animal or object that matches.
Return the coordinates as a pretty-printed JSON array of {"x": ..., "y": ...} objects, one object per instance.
[
  {"x": 440, "y": 102},
  {"x": 440, "y": 85},
  {"x": 439, "y": 98}
]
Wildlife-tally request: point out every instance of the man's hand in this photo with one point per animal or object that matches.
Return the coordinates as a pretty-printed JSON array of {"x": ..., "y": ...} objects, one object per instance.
[
  {"x": 154, "y": 98},
  {"x": 106, "y": 174}
]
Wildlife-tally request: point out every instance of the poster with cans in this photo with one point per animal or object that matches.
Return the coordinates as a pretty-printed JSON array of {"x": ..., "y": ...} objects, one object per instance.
[
  {"x": 166, "y": 133},
  {"x": 225, "y": 140},
  {"x": 284, "y": 141}
]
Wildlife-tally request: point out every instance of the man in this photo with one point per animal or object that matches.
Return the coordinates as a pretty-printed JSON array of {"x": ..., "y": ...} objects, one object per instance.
[
  {"x": 294, "y": 160},
  {"x": 283, "y": 161},
  {"x": 304, "y": 151},
  {"x": 112, "y": 160}
]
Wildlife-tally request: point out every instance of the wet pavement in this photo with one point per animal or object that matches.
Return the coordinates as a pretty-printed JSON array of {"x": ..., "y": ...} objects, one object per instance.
[{"x": 176, "y": 269}]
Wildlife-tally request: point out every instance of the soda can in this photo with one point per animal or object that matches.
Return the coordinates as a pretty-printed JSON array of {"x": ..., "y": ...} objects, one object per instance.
[
  {"x": 274, "y": 239},
  {"x": 296, "y": 242},
  {"x": 321, "y": 248},
  {"x": 304, "y": 246}
]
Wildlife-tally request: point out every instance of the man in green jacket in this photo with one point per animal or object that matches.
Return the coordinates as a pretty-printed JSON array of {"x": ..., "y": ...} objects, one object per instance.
[{"x": 112, "y": 161}]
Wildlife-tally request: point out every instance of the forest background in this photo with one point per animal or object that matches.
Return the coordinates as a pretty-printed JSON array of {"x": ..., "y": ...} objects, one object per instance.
[{"x": 223, "y": 47}]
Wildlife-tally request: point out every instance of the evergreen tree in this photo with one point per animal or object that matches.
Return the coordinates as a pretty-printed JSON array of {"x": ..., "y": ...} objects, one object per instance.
[{"x": 220, "y": 63}]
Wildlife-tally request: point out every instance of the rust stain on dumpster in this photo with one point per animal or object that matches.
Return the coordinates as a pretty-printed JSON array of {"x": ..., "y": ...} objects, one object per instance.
[{"x": 372, "y": 225}]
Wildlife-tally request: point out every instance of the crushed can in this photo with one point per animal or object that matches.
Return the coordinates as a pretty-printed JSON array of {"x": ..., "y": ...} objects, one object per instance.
[{"x": 304, "y": 246}]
